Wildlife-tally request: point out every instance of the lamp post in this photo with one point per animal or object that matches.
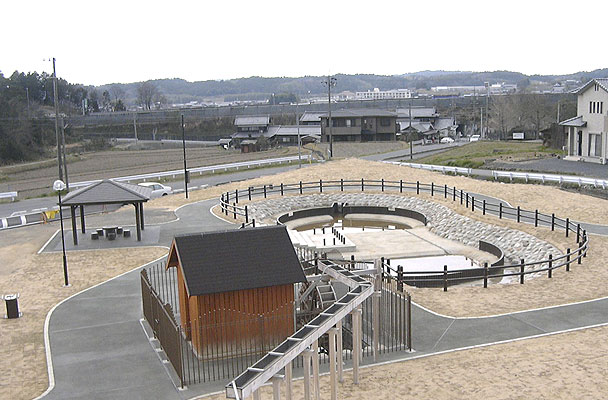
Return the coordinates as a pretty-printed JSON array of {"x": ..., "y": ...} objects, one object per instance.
[
  {"x": 186, "y": 175},
  {"x": 58, "y": 186},
  {"x": 299, "y": 142},
  {"x": 331, "y": 81}
]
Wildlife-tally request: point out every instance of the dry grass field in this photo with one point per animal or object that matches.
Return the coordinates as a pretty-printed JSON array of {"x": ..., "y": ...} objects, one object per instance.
[{"x": 569, "y": 365}]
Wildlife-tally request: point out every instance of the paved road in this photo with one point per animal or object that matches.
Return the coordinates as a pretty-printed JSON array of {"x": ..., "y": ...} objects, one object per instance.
[
  {"x": 99, "y": 349},
  {"x": 558, "y": 166}
]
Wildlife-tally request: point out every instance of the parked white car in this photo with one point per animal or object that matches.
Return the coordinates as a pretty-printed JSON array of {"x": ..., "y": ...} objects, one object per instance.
[
  {"x": 446, "y": 139},
  {"x": 474, "y": 138},
  {"x": 158, "y": 190}
]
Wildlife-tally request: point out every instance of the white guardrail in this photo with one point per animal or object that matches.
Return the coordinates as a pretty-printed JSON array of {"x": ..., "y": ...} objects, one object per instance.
[
  {"x": 8, "y": 195},
  {"x": 199, "y": 170},
  {"x": 527, "y": 176}
]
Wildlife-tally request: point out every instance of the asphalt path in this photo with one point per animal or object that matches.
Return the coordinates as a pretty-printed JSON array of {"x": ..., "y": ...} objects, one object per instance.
[{"x": 99, "y": 349}]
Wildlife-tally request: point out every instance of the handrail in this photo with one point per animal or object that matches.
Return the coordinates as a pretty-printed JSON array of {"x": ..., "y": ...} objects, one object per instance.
[
  {"x": 7, "y": 195},
  {"x": 457, "y": 195}
]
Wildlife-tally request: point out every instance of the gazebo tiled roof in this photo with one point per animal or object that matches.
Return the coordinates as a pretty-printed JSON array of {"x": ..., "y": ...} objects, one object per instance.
[{"x": 108, "y": 192}]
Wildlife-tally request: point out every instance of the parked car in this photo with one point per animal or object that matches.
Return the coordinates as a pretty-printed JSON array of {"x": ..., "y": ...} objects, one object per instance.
[
  {"x": 158, "y": 190},
  {"x": 446, "y": 139},
  {"x": 475, "y": 138}
]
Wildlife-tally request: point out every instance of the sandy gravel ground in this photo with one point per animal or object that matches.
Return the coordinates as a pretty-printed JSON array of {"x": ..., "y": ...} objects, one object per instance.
[
  {"x": 564, "y": 366},
  {"x": 39, "y": 281},
  {"x": 525, "y": 369}
]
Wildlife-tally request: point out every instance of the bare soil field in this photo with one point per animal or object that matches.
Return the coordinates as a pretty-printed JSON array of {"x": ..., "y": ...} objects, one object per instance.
[
  {"x": 352, "y": 149},
  {"x": 109, "y": 164}
]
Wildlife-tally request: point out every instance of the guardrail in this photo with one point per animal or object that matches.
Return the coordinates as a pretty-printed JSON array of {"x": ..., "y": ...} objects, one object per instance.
[
  {"x": 198, "y": 170},
  {"x": 551, "y": 178},
  {"x": 229, "y": 204},
  {"x": 527, "y": 176},
  {"x": 8, "y": 195}
]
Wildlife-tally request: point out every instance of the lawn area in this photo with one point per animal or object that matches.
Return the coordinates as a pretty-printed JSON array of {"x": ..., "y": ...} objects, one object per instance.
[{"x": 476, "y": 154}]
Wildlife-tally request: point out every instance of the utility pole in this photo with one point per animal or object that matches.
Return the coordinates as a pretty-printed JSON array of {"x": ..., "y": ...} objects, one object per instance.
[
  {"x": 57, "y": 122},
  {"x": 481, "y": 119},
  {"x": 331, "y": 81},
  {"x": 487, "y": 84},
  {"x": 299, "y": 142},
  {"x": 65, "y": 160},
  {"x": 186, "y": 177},
  {"x": 135, "y": 125},
  {"x": 27, "y": 95},
  {"x": 410, "y": 134}
]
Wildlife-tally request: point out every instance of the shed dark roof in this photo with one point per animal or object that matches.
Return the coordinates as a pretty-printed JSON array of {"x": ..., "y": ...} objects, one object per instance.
[
  {"x": 226, "y": 261},
  {"x": 107, "y": 192}
]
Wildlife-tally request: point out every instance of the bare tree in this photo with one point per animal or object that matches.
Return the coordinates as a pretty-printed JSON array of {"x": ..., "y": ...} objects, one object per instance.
[
  {"x": 145, "y": 94},
  {"x": 117, "y": 93}
]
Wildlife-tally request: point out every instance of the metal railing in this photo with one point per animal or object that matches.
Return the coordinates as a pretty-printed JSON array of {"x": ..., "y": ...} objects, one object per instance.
[
  {"x": 229, "y": 203},
  {"x": 8, "y": 195}
]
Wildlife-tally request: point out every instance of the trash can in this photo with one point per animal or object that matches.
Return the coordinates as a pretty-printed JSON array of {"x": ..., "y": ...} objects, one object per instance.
[{"x": 12, "y": 306}]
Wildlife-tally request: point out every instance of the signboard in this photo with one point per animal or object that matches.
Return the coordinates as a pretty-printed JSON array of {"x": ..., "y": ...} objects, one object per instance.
[{"x": 518, "y": 136}]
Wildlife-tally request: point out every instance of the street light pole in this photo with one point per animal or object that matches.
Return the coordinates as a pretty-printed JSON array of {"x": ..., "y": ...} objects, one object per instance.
[
  {"x": 57, "y": 121},
  {"x": 299, "y": 142},
  {"x": 59, "y": 186},
  {"x": 186, "y": 177},
  {"x": 331, "y": 81}
]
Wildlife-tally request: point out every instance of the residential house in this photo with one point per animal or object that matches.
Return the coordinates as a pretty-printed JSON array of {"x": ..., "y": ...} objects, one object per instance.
[
  {"x": 251, "y": 128},
  {"x": 588, "y": 131},
  {"x": 360, "y": 125},
  {"x": 425, "y": 123},
  {"x": 288, "y": 134},
  {"x": 311, "y": 118}
]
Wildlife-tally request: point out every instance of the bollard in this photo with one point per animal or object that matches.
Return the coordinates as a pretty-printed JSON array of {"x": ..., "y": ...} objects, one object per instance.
[
  {"x": 12, "y": 305},
  {"x": 485, "y": 275},
  {"x": 521, "y": 276},
  {"x": 552, "y": 222},
  {"x": 568, "y": 260},
  {"x": 483, "y": 207},
  {"x": 445, "y": 278},
  {"x": 550, "y": 265}
]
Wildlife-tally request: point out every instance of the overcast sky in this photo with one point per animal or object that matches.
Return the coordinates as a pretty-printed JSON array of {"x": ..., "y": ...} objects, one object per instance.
[{"x": 97, "y": 42}]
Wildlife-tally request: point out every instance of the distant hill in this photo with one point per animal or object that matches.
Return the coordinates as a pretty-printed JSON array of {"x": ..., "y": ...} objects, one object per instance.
[{"x": 255, "y": 87}]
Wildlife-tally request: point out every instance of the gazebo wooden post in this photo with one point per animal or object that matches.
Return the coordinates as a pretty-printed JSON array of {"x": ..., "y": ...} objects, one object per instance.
[
  {"x": 82, "y": 218},
  {"x": 141, "y": 215},
  {"x": 74, "y": 230},
  {"x": 137, "y": 221}
]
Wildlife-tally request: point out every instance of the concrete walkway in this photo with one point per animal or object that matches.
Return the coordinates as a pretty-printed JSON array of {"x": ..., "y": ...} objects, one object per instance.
[{"x": 99, "y": 350}]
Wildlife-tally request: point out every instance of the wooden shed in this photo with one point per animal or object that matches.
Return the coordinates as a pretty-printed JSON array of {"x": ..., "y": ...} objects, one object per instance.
[{"x": 236, "y": 287}]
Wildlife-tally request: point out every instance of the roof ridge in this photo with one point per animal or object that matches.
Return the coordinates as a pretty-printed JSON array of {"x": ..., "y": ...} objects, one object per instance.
[{"x": 125, "y": 187}]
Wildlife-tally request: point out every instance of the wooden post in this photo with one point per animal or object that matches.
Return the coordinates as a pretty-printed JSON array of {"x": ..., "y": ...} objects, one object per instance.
[
  {"x": 341, "y": 184},
  {"x": 578, "y": 233},
  {"x": 320, "y": 185},
  {"x": 483, "y": 209},
  {"x": 276, "y": 387},
  {"x": 550, "y": 265},
  {"x": 400, "y": 185},
  {"x": 376, "y": 308},
  {"x": 282, "y": 189},
  {"x": 332, "y": 363},
  {"x": 518, "y": 214},
  {"x": 383, "y": 184},
  {"x": 288, "y": 379},
  {"x": 356, "y": 316},
  {"x": 246, "y": 215},
  {"x": 307, "y": 356},
  {"x": 467, "y": 200},
  {"x": 340, "y": 349},
  {"x": 552, "y": 222},
  {"x": 535, "y": 218},
  {"x": 454, "y": 193},
  {"x": 567, "y": 226},
  {"x": 141, "y": 215},
  {"x": 521, "y": 271},
  {"x": 82, "y": 219},
  {"x": 461, "y": 196},
  {"x": 485, "y": 275},
  {"x": 74, "y": 228},
  {"x": 400, "y": 278},
  {"x": 499, "y": 210},
  {"x": 264, "y": 191},
  {"x": 315, "y": 370},
  {"x": 472, "y": 203},
  {"x": 567, "y": 260},
  {"x": 236, "y": 196},
  {"x": 417, "y": 187},
  {"x": 300, "y": 187},
  {"x": 362, "y": 186},
  {"x": 580, "y": 254},
  {"x": 445, "y": 191},
  {"x": 445, "y": 278},
  {"x": 137, "y": 222},
  {"x": 249, "y": 193},
  {"x": 432, "y": 188},
  {"x": 409, "y": 321}
]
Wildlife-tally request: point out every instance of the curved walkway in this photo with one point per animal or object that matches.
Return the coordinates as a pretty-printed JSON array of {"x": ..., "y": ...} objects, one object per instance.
[{"x": 99, "y": 349}]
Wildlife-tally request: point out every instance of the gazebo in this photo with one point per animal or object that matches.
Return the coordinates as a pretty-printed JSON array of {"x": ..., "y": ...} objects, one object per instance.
[{"x": 107, "y": 192}]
